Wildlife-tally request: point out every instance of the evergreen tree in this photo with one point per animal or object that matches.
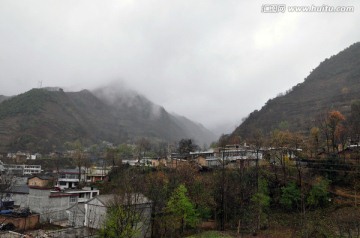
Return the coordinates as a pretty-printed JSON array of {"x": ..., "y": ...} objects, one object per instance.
[
  {"x": 181, "y": 209},
  {"x": 291, "y": 196}
]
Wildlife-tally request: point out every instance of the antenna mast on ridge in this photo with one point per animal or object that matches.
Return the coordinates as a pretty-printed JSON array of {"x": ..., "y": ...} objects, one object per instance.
[{"x": 40, "y": 84}]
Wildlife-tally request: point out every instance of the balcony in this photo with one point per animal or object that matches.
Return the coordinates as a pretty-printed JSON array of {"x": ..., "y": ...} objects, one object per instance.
[{"x": 68, "y": 179}]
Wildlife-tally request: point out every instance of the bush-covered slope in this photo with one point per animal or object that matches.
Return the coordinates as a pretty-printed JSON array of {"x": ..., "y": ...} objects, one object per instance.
[
  {"x": 43, "y": 120},
  {"x": 334, "y": 84}
]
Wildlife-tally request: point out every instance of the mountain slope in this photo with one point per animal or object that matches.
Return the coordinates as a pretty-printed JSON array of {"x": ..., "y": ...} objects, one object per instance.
[
  {"x": 43, "y": 120},
  {"x": 132, "y": 110},
  {"x": 194, "y": 130},
  {"x": 334, "y": 84},
  {"x": 3, "y": 98}
]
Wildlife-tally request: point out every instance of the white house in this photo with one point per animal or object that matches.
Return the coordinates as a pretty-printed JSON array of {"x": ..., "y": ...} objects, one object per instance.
[
  {"x": 96, "y": 208},
  {"x": 95, "y": 174},
  {"x": 22, "y": 169},
  {"x": 69, "y": 178}
]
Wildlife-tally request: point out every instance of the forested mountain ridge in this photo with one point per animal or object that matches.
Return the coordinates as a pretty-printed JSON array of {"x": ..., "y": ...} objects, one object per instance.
[
  {"x": 2, "y": 98},
  {"x": 43, "y": 120},
  {"x": 333, "y": 85}
]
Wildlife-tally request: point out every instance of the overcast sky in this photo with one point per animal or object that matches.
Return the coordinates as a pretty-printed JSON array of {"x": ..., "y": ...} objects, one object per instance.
[{"x": 212, "y": 61}]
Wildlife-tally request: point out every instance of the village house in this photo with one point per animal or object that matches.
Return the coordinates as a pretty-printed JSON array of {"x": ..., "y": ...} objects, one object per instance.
[
  {"x": 43, "y": 181},
  {"x": 50, "y": 204},
  {"x": 233, "y": 156},
  {"x": 95, "y": 174},
  {"x": 213, "y": 162},
  {"x": 96, "y": 208},
  {"x": 22, "y": 169},
  {"x": 131, "y": 162},
  {"x": 21, "y": 156},
  {"x": 204, "y": 154},
  {"x": 70, "y": 178},
  {"x": 84, "y": 194},
  {"x": 151, "y": 162},
  {"x": 19, "y": 194},
  {"x": 40, "y": 195},
  {"x": 20, "y": 190},
  {"x": 176, "y": 162}
]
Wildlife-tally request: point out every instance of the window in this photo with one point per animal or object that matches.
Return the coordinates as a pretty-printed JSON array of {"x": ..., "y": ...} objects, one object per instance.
[{"x": 73, "y": 199}]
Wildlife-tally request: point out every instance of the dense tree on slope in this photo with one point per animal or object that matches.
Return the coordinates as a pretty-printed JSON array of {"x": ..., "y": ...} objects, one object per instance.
[
  {"x": 333, "y": 123},
  {"x": 355, "y": 121},
  {"x": 78, "y": 155}
]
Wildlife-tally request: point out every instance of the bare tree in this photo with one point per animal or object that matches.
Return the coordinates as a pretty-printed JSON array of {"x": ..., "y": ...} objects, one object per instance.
[
  {"x": 7, "y": 181},
  {"x": 78, "y": 155},
  {"x": 257, "y": 141}
]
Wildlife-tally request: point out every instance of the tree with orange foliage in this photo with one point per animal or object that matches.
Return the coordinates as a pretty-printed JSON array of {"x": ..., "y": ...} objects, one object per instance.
[
  {"x": 280, "y": 143},
  {"x": 334, "y": 120}
]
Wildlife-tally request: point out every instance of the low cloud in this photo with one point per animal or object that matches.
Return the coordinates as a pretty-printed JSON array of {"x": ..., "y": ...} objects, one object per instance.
[{"x": 211, "y": 61}]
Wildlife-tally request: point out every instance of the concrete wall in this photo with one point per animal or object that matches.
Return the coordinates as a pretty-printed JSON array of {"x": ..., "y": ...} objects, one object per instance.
[
  {"x": 20, "y": 200},
  {"x": 76, "y": 215},
  {"x": 95, "y": 214},
  {"x": 49, "y": 208},
  {"x": 38, "y": 182}
]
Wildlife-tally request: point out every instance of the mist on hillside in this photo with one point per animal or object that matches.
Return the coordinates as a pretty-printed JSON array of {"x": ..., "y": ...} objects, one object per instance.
[{"x": 120, "y": 95}]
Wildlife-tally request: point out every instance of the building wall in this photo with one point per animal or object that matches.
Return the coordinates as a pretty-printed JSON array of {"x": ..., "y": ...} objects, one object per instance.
[
  {"x": 76, "y": 215},
  {"x": 23, "y": 169},
  {"x": 32, "y": 169},
  {"x": 84, "y": 194},
  {"x": 68, "y": 180},
  {"x": 38, "y": 182},
  {"x": 93, "y": 178},
  {"x": 20, "y": 180},
  {"x": 95, "y": 214},
  {"x": 49, "y": 208},
  {"x": 20, "y": 199},
  {"x": 201, "y": 161}
]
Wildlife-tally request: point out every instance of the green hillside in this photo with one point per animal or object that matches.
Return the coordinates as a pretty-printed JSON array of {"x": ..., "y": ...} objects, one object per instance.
[
  {"x": 333, "y": 85},
  {"x": 43, "y": 120}
]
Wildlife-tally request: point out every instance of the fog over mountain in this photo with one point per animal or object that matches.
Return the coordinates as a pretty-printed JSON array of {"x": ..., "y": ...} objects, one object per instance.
[
  {"x": 45, "y": 119},
  {"x": 211, "y": 61}
]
